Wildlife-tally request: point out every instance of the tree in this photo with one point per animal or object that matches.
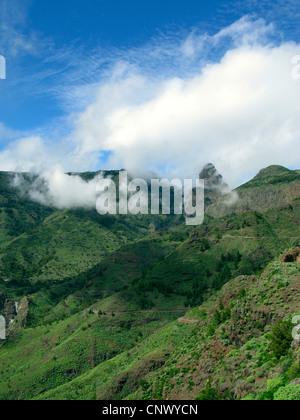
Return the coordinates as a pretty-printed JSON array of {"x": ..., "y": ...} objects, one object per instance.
[
  {"x": 281, "y": 339},
  {"x": 209, "y": 393},
  {"x": 217, "y": 318}
]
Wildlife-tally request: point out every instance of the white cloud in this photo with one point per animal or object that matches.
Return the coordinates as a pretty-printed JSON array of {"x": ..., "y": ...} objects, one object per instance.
[
  {"x": 24, "y": 155},
  {"x": 246, "y": 32},
  {"x": 241, "y": 113},
  {"x": 175, "y": 105},
  {"x": 57, "y": 189},
  {"x": 12, "y": 22}
]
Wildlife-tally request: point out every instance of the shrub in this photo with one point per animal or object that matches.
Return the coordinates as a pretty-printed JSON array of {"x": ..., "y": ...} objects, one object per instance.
[
  {"x": 273, "y": 386},
  {"x": 281, "y": 339},
  {"x": 293, "y": 371},
  {"x": 288, "y": 393},
  {"x": 249, "y": 397},
  {"x": 209, "y": 393},
  {"x": 242, "y": 294},
  {"x": 276, "y": 383}
]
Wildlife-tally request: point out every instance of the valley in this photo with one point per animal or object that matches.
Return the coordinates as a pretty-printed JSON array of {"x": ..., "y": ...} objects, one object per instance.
[{"x": 144, "y": 307}]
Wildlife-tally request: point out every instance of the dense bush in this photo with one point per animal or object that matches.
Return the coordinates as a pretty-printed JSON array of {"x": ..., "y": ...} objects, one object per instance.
[
  {"x": 281, "y": 339},
  {"x": 288, "y": 393},
  {"x": 209, "y": 393}
]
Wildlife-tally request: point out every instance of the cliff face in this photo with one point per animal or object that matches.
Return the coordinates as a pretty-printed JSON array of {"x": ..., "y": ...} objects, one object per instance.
[
  {"x": 213, "y": 179},
  {"x": 7, "y": 308},
  {"x": 15, "y": 313},
  {"x": 215, "y": 187},
  {"x": 273, "y": 187},
  {"x": 19, "y": 318}
]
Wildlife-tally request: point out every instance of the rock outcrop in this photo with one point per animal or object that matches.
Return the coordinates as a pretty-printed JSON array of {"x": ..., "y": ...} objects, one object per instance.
[
  {"x": 7, "y": 308},
  {"x": 272, "y": 187},
  {"x": 213, "y": 180},
  {"x": 15, "y": 314},
  {"x": 216, "y": 189}
]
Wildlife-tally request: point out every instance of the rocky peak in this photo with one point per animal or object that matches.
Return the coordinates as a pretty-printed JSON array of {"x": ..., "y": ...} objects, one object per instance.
[{"x": 213, "y": 179}]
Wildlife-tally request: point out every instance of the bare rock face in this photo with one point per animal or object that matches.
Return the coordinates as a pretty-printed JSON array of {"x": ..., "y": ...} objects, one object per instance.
[
  {"x": 213, "y": 179},
  {"x": 14, "y": 313},
  {"x": 19, "y": 319},
  {"x": 273, "y": 187},
  {"x": 293, "y": 257},
  {"x": 215, "y": 187},
  {"x": 9, "y": 310}
]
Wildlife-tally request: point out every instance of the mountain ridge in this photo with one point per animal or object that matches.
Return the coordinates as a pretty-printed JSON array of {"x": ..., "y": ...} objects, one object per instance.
[
  {"x": 273, "y": 187},
  {"x": 116, "y": 312}
]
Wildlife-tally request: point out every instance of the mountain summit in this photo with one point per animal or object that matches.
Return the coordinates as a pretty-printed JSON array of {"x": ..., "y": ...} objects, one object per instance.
[
  {"x": 215, "y": 187},
  {"x": 213, "y": 179},
  {"x": 273, "y": 187}
]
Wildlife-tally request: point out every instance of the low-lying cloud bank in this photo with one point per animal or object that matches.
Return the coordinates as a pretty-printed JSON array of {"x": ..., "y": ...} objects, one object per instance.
[{"x": 56, "y": 189}]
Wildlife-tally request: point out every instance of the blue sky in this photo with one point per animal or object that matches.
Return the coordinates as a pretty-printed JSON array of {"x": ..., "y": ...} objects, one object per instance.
[
  {"x": 61, "y": 55},
  {"x": 60, "y": 30}
]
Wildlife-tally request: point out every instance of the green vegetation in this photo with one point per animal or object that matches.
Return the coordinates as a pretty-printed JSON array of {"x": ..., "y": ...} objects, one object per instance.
[
  {"x": 272, "y": 175},
  {"x": 122, "y": 307},
  {"x": 209, "y": 393},
  {"x": 288, "y": 393},
  {"x": 281, "y": 339}
]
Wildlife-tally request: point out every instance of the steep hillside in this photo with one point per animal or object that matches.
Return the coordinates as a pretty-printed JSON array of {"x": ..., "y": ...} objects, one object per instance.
[
  {"x": 93, "y": 302},
  {"x": 65, "y": 244},
  {"x": 273, "y": 187},
  {"x": 44, "y": 244},
  {"x": 17, "y": 214},
  {"x": 222, "y": 349},
  {"x": 240, "y": 343}
]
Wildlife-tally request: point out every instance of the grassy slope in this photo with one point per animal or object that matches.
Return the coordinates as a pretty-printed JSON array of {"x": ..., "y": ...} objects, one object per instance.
[
  {"x": 147, "y": 264},
  {"x": 161, "y": 255},
  {"x": 177, "y": 267},
  {"x": 17, "y": 214},
  {"x": 42, "y": 358},
  {"x": 178, "y": 359},
  {"x": 198, "y": 263},
  {"x": 234, "y": 352},
  {"x": 273, "y": 187},
  {"x": 272, "y": 175},
  {"x": 105, "y": 381}
]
